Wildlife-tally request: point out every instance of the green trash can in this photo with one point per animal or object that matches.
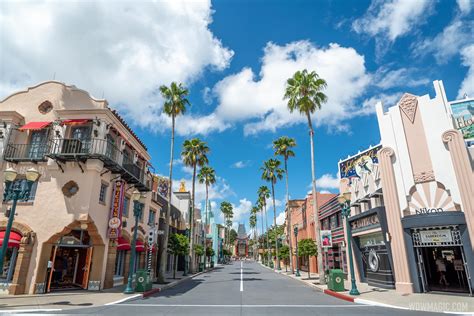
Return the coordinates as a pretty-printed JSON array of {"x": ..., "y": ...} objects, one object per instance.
[
  {"x": 201, "y": 266},
  {"x": 336, "y": 280},
  {"x": 142, "y": 281},
  {"x": 212, "y": 264}
]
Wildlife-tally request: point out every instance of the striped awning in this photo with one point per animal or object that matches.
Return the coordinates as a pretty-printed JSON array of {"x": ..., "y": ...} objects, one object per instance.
[
  {"x": 139, "y": 247},
  {"x": 13, "y": 241},
  {"x": 34, "y": 126},
  {"x": 123, "y": 244}
]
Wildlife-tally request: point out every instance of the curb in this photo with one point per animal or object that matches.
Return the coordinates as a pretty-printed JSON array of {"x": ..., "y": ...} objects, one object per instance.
[
  {"x": 172, "y": 284},
  {"x": 340, "y": 296}
]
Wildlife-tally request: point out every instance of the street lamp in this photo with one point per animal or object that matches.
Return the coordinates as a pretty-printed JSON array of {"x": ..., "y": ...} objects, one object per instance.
[
  {"x": 295, "y": 230},
  {"x": 345, "y": 200},
  {"x": 138, "y": 201},
  {"x": 15, "y": 192}
]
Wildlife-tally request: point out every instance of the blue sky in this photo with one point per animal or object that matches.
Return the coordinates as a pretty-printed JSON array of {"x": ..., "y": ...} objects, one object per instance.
[{"x": 234, "y": 56}]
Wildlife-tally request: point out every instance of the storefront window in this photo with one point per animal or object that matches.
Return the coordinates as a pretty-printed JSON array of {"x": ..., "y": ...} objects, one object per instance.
[
  {"x": 120, "y": 262},
  {"x": 333, "y": 221},
  {"x": 9, "y": 264}
]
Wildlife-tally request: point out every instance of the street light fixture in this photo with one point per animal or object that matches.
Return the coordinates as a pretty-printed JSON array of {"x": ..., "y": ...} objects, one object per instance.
[
  {"x": 15, "y": 192},
  {"x": 295, "y": 230},
  {"x": 138, "y": 200},
  {"x": 345, "y": 200}
]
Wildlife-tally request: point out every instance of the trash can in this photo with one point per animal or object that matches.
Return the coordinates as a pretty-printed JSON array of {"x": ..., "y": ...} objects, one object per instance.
[
  {"x": 212, "y": 264},
  {"x": 142, "y": 281},
  {"x": 201, "y": 266},
  {"x": 336, "y": 280}
]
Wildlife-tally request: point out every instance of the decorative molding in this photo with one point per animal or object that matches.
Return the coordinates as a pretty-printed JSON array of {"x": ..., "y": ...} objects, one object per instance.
[
  {"x": 70, "y": 188},
  {"x": 450, "y": 135},
  {"x": 386, "y": 151},
  {"x": 424, "y": 176},
  {"x": 408, "y": 104}
]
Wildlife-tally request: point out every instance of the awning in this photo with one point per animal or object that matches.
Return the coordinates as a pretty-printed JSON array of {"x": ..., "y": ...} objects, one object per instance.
[
  {"x": 75, "y": 122},
  {"x": 153, "y": 249},
  {"x": 34, "y": 126},
  {"x": 139, "y": 247},
  {"x": 13, "y": 241},
  {"x": 123, "y": 244}
]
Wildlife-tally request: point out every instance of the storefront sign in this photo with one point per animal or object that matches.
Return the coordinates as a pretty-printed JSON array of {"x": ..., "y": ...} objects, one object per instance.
[
  {"x": 463, "y": 120},
  {"x": 326, "y": 239},
  {"x": 436, "y": 236},
  {"x": 115, "y": 218},
  {"x": 364, "y": 222},
  {"x": 359, "y": 164},
  {"x": 426, "y": 210}
]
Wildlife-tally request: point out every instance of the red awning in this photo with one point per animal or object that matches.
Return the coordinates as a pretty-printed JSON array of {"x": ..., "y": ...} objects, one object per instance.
[
  {"x": 123, "y": 244},
  {"x": 13, "y": 241},
  {"x": 153, "y": 249},
  {"x": 139, "y": 247},
  {"x": 34, "y": 125},
  {"x": 75, "y": 122}
]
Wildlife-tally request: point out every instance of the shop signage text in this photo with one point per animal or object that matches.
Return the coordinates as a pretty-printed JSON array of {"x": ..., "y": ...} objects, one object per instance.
[
  {"x": 463, "y": 117},
  {"x": 436, "y": 236},
  {"x": 115, "y": 218},
  {"x": 364, "y": 222},
  {"x": 426, "y": 210}
]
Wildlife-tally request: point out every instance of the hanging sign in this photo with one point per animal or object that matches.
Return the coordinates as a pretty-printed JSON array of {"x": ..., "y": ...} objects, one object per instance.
[
  {"x": 326, "y": 239},
  {"x": 115, "y": 218},
  {"x": 463, "y": 118},
  {"x": 436, "y": 236},
  {"x": 359, "y": 164}
]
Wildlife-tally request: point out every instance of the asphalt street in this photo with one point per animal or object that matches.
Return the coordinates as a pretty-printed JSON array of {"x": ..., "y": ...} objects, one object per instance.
[{"x": 242, "y": 288}]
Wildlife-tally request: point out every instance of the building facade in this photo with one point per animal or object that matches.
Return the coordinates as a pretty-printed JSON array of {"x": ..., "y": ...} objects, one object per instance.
[{"x": 425, "y": 172}]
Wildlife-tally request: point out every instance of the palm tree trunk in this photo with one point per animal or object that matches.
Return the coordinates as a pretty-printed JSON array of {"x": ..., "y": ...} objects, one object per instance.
[
  {"x": 288, "y": 218},
  {"x": 191, "y": 225},
  {"x": 261, "y": 213},
  {"x": 205, "y": 229},
  {"x": 164, "y": 247},
  {"x": 266, "y": 227},
  {"x": 275, "y": 225},
  {"x": 322, "y": 279}
]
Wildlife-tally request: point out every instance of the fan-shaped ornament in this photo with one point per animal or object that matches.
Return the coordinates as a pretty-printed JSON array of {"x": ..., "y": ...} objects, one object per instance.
[{"x": 430, "y": 197}]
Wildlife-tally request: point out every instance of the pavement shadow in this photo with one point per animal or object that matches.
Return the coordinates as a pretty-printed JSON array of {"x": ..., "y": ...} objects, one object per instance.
[
  {"x": 179, "y": 289},
  {"x": 245, "y": 273},
  {"x": 249, "y": 279},
  {"x": 61, "y": 303}
]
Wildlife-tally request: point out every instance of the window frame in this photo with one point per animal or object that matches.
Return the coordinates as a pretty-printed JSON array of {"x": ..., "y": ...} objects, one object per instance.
[{"x": 103, "y": 197}]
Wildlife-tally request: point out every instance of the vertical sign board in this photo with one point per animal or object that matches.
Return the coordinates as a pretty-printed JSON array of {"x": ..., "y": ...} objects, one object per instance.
[
  {"x": 359, "y": 164},
  {"x": 115, "y": 218},
  {"x": 463, "y": 118},
  {"x": 326, "y": 239}
]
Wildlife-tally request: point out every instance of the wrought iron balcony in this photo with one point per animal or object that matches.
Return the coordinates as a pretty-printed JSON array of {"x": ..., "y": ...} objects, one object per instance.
[{"x": 26, "y": 152}]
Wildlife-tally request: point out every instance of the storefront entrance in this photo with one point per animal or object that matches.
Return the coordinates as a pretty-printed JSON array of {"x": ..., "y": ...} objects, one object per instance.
[
  {"x": 440, "y": 258},
  {"x": 70, "y": 262}
]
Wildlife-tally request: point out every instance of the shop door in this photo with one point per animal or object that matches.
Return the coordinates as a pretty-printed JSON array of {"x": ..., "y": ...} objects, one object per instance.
[{"x": 86, "y": 269}]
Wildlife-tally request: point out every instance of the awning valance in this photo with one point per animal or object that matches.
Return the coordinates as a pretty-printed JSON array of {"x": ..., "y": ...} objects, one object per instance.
[
  {"x": 139, "y": 247},
  {"x": 34, "y": 126},
  {"x": 123, "y": 244},
  {"x": 75, "y": 122},
  {"x": 13, "y": 241}
]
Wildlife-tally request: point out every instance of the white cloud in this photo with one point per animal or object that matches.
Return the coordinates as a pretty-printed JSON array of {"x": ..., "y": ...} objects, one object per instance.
[
  {"x": 241, "y": 210},
  {"x": 325, "y": 192},
  {"x": 447, "y": 43},
  {"x": 327, "y": 181},
  {"x": 257, "y": 100},
  {"x": 393, "y": 18},
  {"x": 385, "y": 78},
  {"x": 280, "y": 218},
  {"x": 368, "y": 105},
  {"x": 465, "y": 6},
  {"x": 123, "y": 51},
  {"x": 241, "y": 164},
  {"x": 467, "y": 86},
  {"x": 218, "y": 191}
]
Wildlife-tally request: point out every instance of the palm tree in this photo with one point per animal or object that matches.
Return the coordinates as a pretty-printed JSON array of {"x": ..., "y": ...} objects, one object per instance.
[
  {"x": 272, "y": 172},
  {"x": 263, "y": 195},
  {"x": 304, "y": 94},
  {"x": 207, "y": 175},
  {"x": 194, "y": 154},
  {"x": 253, "y": 225},
  {"x": 283, "y": 147},
  {"x": 227, "y": 211},
  {"x": 260, "y": 207},
  {"x": 175, "y": 105}
]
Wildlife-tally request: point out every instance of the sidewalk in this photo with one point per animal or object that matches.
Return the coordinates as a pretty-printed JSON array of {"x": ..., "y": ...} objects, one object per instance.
[
  {"x": 369, "y": 295},
  {"x": 58, "y": 301}
]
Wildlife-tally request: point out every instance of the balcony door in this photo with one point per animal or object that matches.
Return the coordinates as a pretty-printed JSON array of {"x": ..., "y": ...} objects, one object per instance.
[
  {"x": 80, "y": 140},
  {"x": 37, "y": 144}
]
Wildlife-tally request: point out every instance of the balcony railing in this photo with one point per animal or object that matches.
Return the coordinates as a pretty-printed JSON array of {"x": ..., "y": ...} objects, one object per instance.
[{"x": 26, "y": 152}]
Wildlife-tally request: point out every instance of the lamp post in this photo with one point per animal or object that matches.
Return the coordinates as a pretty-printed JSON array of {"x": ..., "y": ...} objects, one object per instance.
[
  {"x": 295, "y": 230},
  {"x": 15, "y": 192},
  {"x": 344, "y": 201},
  {"x": 138, "y": 200}
]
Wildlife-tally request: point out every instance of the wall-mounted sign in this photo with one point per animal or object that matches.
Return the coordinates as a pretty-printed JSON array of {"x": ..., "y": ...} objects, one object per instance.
[
  {"x": 463, "y": 118},
  {"x": 436, "y": 236},
  {"x": 326, "y": 239},
  {"x": 427, "y": 210},
  {"x": 115, "y": 218},
  {"x": 359, "y": 164},
  {"x": 365, "y": 222},
  {"x": 163, "y": 186}
]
